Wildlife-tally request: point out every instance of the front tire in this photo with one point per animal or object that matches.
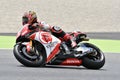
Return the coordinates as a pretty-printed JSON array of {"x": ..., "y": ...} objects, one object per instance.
[
  {"x": 33, "y": 60},
  {"x": 94, "y": 60}
]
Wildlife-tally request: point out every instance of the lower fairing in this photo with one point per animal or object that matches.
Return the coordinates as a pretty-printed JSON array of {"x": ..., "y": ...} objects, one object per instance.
[{"x": 65, "y": 59}]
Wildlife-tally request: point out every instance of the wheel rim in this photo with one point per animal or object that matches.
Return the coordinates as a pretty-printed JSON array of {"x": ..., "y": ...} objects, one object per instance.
[
  {"x": 36, "y": 56},
  {"x": 96, "y": 55}
]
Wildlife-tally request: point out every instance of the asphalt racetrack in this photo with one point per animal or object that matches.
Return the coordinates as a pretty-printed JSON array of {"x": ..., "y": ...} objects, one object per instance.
[{"x": 11, "y": 69}]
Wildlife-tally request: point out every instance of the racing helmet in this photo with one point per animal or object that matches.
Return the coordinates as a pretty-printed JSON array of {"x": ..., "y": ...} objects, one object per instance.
[{"x": 29, "y": 17}]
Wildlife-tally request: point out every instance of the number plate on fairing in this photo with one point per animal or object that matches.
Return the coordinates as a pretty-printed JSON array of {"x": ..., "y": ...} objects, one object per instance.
[{"x": 48, "y": 41}]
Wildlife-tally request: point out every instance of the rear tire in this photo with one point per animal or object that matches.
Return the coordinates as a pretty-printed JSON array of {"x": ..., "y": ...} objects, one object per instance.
[
  {"x": 38, "y": 62},
  {"x": 94, "y": 62}
]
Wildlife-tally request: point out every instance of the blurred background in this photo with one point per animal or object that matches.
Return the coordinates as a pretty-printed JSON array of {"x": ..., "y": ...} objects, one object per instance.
[{"x": 83, "y": 15}]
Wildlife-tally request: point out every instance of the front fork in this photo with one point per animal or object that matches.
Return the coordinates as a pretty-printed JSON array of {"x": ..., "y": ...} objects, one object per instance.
[{"x": 29, "y": 46}]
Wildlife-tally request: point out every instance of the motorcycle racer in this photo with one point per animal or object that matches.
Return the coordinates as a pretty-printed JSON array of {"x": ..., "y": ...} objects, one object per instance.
[{"x": 30, "y": 19}]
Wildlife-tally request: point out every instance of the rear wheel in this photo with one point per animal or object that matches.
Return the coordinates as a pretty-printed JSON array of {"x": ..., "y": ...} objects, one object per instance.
[
  {"x": 33, "y": 59},
  {"x": 94, "y": 60}
]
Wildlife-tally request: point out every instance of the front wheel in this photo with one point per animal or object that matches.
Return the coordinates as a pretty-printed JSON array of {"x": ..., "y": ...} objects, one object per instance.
[
  {"x": 94, "y": 60},
  {"x": 33, "y": 59}
]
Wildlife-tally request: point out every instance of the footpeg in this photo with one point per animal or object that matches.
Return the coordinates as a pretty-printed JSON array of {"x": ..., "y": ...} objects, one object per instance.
[{"x": 65, "y": 48}]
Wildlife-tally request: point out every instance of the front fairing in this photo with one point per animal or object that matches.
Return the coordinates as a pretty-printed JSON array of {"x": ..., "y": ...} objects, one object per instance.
[
  {"x": 50, "y": 42},
  {"x": 24, "y": 30}
]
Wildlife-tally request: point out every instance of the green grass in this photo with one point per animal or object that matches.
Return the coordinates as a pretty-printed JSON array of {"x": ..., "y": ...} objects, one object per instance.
[
  {"x": 105, "y": 45},
  {"x": 7, "y": 41}
]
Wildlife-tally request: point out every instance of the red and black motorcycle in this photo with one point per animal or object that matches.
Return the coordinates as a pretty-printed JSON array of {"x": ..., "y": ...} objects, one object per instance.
[{"x": 42, "y": 48}]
